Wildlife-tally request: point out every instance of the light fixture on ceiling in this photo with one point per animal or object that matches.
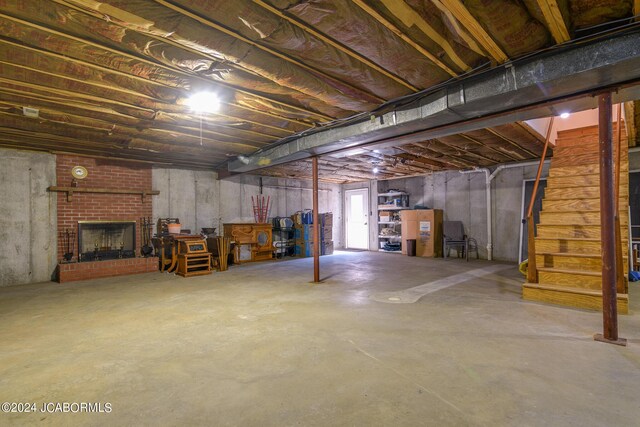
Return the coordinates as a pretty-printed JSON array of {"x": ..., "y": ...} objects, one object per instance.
[
  {"x": 376, "y": 169},
  {"x": 204, "y": 102},
  {"x": 564, "y": 115}
]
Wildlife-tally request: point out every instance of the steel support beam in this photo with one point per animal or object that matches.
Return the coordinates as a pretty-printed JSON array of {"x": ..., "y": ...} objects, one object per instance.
[
  {"x": 526, "y": 89},
  {"x": 607, "y": 224},
  {"x": 316, "y": 224}
]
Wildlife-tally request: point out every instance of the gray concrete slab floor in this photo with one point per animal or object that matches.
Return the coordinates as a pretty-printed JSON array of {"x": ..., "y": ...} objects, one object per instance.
[{"x": 260, "y": 345}]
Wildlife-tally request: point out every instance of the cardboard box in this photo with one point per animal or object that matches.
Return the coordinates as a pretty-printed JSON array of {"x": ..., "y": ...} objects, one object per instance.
[
  {"x": 303, "y": 249},
  {"x": 327, "y": 233},
  {"x": 326, "y": 219},
  {"x": 385, "y": 216},
  {"x": 327, "y": 247},
  {"x": 425, "y": 226},
  {"x": 304, "y": 232}
]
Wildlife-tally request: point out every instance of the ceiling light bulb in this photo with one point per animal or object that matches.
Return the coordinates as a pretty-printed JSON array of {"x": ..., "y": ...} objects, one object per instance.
[
  {"x": 204, "y": 102},
  {"x": 564, "y": 115},
  {"x": 376, "y": 170}
]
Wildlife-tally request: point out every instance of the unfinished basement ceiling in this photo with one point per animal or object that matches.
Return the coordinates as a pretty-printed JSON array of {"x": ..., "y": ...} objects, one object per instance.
[{"x": 112, "y": 78}]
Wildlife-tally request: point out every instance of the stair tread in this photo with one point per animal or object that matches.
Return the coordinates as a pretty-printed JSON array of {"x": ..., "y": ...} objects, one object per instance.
[
  {"x": 570, "y": 289},
  {"x": 581, "y": 239},
  {"x": 577, "y": 239},
  {"x": 573, "y": 254},
  {"x": 570, "y": 271}
]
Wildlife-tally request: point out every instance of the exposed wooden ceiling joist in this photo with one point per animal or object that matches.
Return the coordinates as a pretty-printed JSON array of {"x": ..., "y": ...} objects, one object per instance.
[
  {"x": 555, "y": 22},
  {"x": 273, "y": 52},
  {"x": 172, "y": 69},
  {"x": 335, "y": 44},
  {"x": 112, "y": 78},
  {"x": 404, "y": 37},
  {"x": 459, "y": 11}
]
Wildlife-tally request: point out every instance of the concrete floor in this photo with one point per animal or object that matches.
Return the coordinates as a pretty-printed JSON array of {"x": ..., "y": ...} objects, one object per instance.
[{"x": 259, "y": 345}]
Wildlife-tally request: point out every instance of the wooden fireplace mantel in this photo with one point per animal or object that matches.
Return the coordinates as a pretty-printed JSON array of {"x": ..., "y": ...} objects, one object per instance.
[{"x": 71, "y": 190}]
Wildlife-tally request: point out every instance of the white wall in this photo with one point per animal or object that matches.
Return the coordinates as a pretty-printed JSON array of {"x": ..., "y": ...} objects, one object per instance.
[
  {"x": 200, "y": 200},
  {"x": 462, "y": 197}
]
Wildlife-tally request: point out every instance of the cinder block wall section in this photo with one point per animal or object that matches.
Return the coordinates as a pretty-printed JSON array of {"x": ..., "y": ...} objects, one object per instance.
[
  {"x": 462, "y": 197},
  {"x": 199, "y": 199},
  {"x": 28, "y": 212}
]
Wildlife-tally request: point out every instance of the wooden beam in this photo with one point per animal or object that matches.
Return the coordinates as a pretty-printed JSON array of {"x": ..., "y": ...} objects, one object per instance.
[
  {"x": 472, "y": 153},
  {"x": 160, "y": 105},
  {"x": 423, "y": 155},
  {"x": 630, "y": 113},
  {"x": 555, "y": 22},
  {"x": 100, "y": 68},
  {"x": 381, "y": 19},
  {"x": 277, "y": 54},
  {"x": 107, "y": 106},
  {"x": 510, "y": 142},
  {"x": 174, "y": 68},
  {"x": 71, "y": 190},
  {"x": 177, "y": 137},
  {"x": 427, "y": 151},
  {"x": 335, "y": 44},
  {"x": 460, "y": 12},
  {"x": 410, "y": 18}
]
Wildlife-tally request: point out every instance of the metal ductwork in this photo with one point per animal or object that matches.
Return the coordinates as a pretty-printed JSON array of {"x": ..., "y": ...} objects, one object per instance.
[{"x": 539, "y": 86}]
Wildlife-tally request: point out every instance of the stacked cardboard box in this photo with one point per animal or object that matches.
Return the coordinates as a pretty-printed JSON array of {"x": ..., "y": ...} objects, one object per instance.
[
  {"x": 303, "y": 235},
  {"x": 327, "y": 233}
]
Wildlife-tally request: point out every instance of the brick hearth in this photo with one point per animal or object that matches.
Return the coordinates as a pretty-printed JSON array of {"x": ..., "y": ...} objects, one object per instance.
[{"x": 97, "y": 269}]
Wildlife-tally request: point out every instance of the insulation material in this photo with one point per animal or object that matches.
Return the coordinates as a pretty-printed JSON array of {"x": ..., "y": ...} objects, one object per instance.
[
  {"x": 210, "y": 67},
  {"x": 563, "y": 5},
  {"x": 510, "y": 25},
  {"x": 431, "y": 28},
  {"x": 586, "y": 13},
  {"x": 163, "y": 22},
  {"x": 351, "y": 26},
  {"x": 267, "y": 28}
]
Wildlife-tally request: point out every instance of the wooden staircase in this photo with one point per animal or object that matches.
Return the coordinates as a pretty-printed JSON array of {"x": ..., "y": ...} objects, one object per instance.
[{"x": 567, "y": 242}]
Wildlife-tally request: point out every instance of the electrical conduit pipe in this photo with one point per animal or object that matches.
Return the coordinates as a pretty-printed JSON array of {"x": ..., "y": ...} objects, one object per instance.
[{"x": 488, "y": 177}]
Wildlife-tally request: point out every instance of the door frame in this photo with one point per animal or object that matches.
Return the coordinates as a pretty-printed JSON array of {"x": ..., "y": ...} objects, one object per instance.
[{"x": 347, "y": 213}]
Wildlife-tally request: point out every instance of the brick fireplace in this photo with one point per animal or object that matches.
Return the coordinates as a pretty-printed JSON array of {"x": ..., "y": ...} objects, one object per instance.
[{"x": 102, "y": 207}]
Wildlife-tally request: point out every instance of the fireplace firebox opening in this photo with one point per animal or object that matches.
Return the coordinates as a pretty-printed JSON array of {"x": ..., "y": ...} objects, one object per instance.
[{"x": 102, "y": 240}]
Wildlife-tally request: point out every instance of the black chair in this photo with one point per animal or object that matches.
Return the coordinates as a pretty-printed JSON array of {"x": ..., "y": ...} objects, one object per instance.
[{"x": 454, "y": 238}]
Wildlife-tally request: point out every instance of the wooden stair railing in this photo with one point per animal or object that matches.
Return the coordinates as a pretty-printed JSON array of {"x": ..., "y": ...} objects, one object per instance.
[
  {"x": 620, "y": 284},
  {"x": 532, "y": 270}
]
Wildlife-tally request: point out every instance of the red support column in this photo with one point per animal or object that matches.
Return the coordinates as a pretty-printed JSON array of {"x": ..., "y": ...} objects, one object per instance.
[
  {"x": 316, "y": 225},
  {"x": 607, "y": 224}
]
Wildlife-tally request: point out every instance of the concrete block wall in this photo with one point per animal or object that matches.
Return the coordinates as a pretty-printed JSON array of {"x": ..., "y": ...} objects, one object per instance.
[
  {"x": 462, "y": 197},
  {"x": 28, "y": 217},
  {"x": 199, "y": 199}
]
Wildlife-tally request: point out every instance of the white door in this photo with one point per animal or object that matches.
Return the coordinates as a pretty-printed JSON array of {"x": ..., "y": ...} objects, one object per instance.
[{"x": 357, "y": 225}]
